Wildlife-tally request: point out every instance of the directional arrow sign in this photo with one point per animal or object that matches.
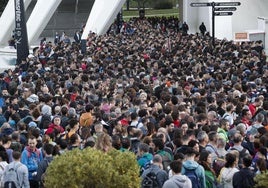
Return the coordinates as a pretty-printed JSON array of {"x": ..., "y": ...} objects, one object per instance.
[
  {"x": 223, "y": 13},
  {"x": 228, "y": 4},
  {"x": 225, "y": 9},
  {"x": 200, "y": 4}
]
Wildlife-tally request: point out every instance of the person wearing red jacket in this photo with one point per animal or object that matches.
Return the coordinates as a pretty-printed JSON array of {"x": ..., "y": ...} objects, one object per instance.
[{"x": 55, "y": 125}]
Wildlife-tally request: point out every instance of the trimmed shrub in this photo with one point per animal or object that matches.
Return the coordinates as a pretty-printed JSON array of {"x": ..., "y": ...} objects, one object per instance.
[
  {"x": 261, "y": 180},
  {"x": 91, "y": 168},
  {"x": 163, "y": 5}
]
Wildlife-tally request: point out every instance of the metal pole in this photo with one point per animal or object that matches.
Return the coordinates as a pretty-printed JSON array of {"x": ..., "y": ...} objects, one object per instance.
[
  {"x": 76, "y": 7},
  {"x": 213, "y": 24}
]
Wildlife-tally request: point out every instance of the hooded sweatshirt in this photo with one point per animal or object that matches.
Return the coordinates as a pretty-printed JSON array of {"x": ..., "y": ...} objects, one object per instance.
[
  {"x": 178, "y": 181},
  {"x": 199, "y": 170}
]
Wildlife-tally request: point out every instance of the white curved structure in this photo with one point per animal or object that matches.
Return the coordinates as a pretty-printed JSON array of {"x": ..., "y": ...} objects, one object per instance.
[
  {"x": 102, "y": 16},
  {"x": 7, "y": 21},
  {"x": 40, "y": 17},
  {"x": 92, "y": 19}
]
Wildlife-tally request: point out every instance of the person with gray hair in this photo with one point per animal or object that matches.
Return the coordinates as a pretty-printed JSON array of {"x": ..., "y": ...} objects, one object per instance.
[
  {"x": 221, "y": 143},
  {"x": 202, "y": 138},
  {"x": 241, "y": 127},
  {"x": 253, "y": 129},
  {"x": 237, "y": 141},
  {"x": 157, "y": 168},
  {"x": 98, "y": 127},
  {"x": 212, "y": 117},
  {"x": 72, "y": 113},
  {"x": 212, "y": 145}
]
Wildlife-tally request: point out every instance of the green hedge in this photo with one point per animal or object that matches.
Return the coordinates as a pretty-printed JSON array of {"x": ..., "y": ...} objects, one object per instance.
[{"x": 91, "y": 168}]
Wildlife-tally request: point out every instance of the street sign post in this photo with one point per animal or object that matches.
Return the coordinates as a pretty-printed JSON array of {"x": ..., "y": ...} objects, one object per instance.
[
  {"x": 228, "y": 4},
  {"x": 200, "y": 4},
  {"x": 223, "y": 13},
  {"x": 225, "y": 9},
  {"x": 217, "y": 10}
]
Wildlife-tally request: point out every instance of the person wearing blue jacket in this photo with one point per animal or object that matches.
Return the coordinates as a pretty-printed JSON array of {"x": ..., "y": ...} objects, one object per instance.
[
  {"x": 31, "y": 156},
  {"x": 190, "y": 164}
]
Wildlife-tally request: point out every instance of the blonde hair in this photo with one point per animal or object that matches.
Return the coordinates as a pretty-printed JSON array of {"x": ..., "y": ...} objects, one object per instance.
[
  {"x": 235, "y": 152},
  {"x": 103, "y": 142}
]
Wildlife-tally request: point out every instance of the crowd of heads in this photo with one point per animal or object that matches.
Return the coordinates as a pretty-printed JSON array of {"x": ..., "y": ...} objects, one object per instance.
[{"x": 153, "y": 85}]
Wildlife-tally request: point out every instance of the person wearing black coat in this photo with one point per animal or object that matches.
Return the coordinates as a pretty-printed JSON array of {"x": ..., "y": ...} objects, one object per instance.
[
  {"x": 244, "y": 178},
  {"x": 43, "y": 165}
]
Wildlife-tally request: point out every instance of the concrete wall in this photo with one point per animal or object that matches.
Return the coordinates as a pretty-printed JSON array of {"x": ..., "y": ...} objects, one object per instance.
[
  {"x": 244, "y": 18},
  {"x": 248, "y": 12},
  {"x": 195, "y": 16}
]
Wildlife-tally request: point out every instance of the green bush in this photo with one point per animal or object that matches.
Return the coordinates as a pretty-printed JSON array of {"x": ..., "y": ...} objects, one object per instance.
[
  {"x": 91, "y": 168},
  {"x": 163, "y": 5},
  {"x": 261, "y": 180}
]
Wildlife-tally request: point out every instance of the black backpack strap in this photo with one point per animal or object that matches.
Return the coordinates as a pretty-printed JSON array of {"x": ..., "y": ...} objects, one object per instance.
[
  {"x": 226, "y": 115},
  {"x": 47, "y": 162},
  {"x": 156, "y": 176}
]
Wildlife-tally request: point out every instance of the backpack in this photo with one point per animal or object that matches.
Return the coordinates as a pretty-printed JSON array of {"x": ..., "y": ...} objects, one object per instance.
[
  {"x": 146, "y": 166},
  {"x": 225, "y": 116},
  {"x": 150, "y": 180},
  {"x": 218, "y": 163},
  {"x": 212, "y": 182},
  {"x": 191, "y": 174},
  {"x": 11, "y": 176},
  {"x": 166, "y": 161}
]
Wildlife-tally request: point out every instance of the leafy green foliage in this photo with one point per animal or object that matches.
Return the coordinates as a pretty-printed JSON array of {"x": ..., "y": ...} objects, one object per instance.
[
  {"x": 91, "y": 168},
  {"x": 261, "y": 180}
]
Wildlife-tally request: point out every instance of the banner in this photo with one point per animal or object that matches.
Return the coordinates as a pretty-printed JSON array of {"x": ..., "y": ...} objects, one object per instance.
[{"x": 21, "y": 31}]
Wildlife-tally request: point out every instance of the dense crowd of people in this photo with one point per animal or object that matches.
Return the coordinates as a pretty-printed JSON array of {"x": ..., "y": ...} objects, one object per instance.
[{"x": 194, "y": 114}]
